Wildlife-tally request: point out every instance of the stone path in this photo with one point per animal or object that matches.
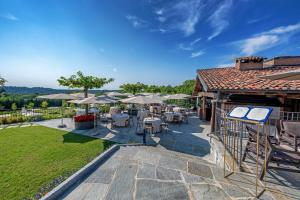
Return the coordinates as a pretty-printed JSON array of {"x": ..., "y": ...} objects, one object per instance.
[
  {"x": 188, "y": 138},
  {"x": 153, "y": 173}
]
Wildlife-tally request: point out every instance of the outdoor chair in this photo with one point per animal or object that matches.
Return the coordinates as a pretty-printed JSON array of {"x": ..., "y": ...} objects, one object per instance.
[
  {"x": 139, "y": 126},
  {"x": 275, "y": 153},
  {"x": 131, "y": 121},
  {"x": 164, "y": 125},
  {"x": 290, "y": 133},
  {"x": 185, "y": 118},
  {"x": 148, "y": 128},
  {"x": 176, "y": 119}
]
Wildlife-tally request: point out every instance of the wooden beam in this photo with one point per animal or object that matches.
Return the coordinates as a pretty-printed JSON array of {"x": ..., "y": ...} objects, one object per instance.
[{"x": 208, "y": 94}]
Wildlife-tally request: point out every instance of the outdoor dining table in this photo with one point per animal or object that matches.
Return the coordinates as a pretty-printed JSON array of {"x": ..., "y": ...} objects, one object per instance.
[
  {"x": 156, "y": 122},
  {"x": 114, "y": 110},
  {"x": 120, "y": 119},
  {"x": 170, "y": 115},
  {"x": 179, "y": 109},
  {"x": 143, "y": 114},
  {"x": 155, "y": 109}
]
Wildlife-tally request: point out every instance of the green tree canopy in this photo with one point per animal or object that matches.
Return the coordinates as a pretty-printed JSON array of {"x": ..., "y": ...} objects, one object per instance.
[
  {"x": 14, "y": 106},
  {"x": 186, "y": 87},
  {"x": 79, "y": 80},
  {"x": 44, "y": 104},
  {"x": 2, "y": 82}
]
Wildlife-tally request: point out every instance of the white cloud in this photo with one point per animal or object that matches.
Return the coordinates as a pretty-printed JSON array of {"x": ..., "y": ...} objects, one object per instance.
[
  {"x": 283, "y": 29},
  {"x": 183, "y": 15},
  {"x": 136, "y": 22},
  {"x": 195, "y": 41},
  {"x": 161, "y": 30},
  {"x": 259, "y": 43},
  {"x": 161, "y": 19},
  {"x": 115, "y": 69},
  {"x": 267, "y": 39},
  {"x": 9, "y": 16},
  {"x": 224, "y": 65},
  {"x": 185, "y": 47},
  {"x": 197, "y": 54},
  {"x": 218, "y": 19}
]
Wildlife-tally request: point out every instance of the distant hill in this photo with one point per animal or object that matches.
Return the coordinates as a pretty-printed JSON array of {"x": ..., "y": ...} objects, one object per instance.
[{"x": 42, "y": 90}]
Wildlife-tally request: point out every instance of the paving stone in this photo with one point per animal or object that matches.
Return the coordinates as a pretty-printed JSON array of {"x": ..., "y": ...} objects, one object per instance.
[
  {"x": 200, "y": 170},
  {"x": 175, "y": 163},
  {"x": 208, "y": 192},
  {"x": 148, "y": 156},
  {"x": 79, "y": 192},
  {"x": 96, "y": 192},
  {"x": 167, "y": 174},
  {"x": 146, "y": 171},
  {"x": 122, "y": 186},
  {"x": 235, "y": 192},
  {"x": 191, "y": 178},
  {"x": 155, "y": 190},
  {"x": 101, "y": 176}
]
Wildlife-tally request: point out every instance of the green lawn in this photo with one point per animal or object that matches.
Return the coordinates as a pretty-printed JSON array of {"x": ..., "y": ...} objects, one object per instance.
[{"x": 31, "y": 157}]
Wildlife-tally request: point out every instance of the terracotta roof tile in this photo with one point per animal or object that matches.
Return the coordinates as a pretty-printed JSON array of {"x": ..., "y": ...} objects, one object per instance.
[{"x": 233, "y": 79}]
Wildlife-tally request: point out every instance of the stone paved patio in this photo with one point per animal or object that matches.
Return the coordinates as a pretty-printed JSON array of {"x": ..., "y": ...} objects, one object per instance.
[
  {"x": 143, "y": 172},
  {"x": 188, "y": 138}
]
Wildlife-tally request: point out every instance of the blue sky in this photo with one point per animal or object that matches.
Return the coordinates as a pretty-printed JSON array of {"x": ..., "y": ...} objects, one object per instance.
[{"x": 151, "y": 41}]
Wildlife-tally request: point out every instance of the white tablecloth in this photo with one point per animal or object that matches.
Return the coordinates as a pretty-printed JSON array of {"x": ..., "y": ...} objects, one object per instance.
[
  {"x": 179, "y": 109},
  {"x": 169, "y": 115},
  {"x": 155, "y": 109},
  {"x": 120, "y": 119},
  {"x": 156, "y": 122},
  {"x": 142, "y": 114},
  {"x": 114, "y": 110}
]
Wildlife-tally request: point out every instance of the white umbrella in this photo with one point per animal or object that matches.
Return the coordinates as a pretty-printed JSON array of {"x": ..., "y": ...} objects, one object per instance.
[
  {"x": 176, "y": 96},
  {"x": 142, "y": 100},
  {"x": 81, "y": 95},
  {"x": 96, "y": 100},
  {"x": 288, "y": 75},
  {"x": 116, "y": 94},
  {"x": 60, "y": 96}
]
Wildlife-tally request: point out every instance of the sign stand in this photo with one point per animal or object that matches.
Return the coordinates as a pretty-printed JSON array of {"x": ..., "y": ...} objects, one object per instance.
[{"x": 234, "y": 128}]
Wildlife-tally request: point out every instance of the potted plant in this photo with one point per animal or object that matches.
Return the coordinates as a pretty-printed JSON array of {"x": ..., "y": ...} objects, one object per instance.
[{"x": 84, "y": 121}]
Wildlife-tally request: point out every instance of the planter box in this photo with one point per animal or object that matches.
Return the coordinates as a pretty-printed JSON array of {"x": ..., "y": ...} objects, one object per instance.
[{"x": 84, "y": 125}]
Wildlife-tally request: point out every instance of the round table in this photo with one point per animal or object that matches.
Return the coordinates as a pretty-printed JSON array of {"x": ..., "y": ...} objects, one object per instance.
[
  {"x": 120, "y": 119},
  {"x": 179, "y": 109},
  {"x": 156, "y": 122},
  {"x": 114, "y": 110},
  {"x": 143, "y": 114},
  {"x": 169, "y": 115},
  {"x": 155, "y": 109}
]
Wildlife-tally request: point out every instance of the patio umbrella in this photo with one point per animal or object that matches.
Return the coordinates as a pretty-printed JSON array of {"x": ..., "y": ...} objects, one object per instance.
[
  {"x": 62, "y": 97},
  {"x": 96, "y": 100},
  {"x": 143, "y": 100},
  {"x": 289, "y": 75},
  {"x": 176, "y": 96},
  {"x": 81, "y": 95},
  {"x": 116, "y": 94}
]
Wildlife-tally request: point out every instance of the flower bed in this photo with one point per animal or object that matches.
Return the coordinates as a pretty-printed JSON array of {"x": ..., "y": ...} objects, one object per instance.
[{"x": 84, "y": 122}]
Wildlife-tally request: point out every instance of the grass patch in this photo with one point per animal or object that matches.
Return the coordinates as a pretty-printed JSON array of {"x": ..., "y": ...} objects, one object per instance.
[{"x": 31, "y": 157}]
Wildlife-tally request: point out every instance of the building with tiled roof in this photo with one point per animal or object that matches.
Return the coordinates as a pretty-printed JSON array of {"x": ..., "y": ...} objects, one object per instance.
[{"x": 243, "y": 84}]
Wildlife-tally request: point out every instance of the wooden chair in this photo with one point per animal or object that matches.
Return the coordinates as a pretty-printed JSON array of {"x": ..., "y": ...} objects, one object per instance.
[
  {"x": 290, "y": 133},
  {"x": 275, "y": 153},
  {"x": 148, "y": 128}
]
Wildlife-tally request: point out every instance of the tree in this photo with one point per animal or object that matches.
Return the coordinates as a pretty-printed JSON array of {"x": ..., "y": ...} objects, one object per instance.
[
  {"x": 14, "y": 106},
  {"x": 79, "y": 80},
  {"x": 44, "y": 104},
  {"x": 30, "y": 105},
  {"x": 133, "y": 88},
  {"x": 2, "y": 81}
]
